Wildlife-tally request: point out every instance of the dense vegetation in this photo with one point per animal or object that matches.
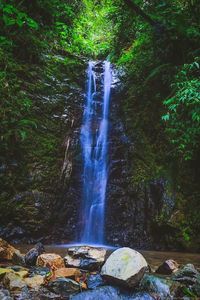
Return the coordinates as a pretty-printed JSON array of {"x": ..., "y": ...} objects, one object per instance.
[
  {"x": 160, "y": 53},
  {"x": 155, "y": 44}
]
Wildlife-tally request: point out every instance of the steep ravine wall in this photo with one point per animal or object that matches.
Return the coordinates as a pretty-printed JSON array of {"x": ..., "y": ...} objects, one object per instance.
[
  {"x": 47, "y": 208},
  {"x": 131, "y": 208},
  {"x": 38, "y": 202},
  {"x": 140, "y": 205}
]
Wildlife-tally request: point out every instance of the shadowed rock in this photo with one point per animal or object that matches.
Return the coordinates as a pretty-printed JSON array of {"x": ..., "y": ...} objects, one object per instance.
[
  {"x": 168, "y": 267},
  {"x": 32, "y": 255},
  {"x": 110, "y": 293},
  {"x": 64, "y": 287}
]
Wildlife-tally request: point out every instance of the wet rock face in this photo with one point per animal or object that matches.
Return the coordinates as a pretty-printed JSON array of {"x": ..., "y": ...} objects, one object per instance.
[
  {"x": 130, "y": 207},
  {"x": 33, "y": 211},
  {"x": 41, "y": 175}
]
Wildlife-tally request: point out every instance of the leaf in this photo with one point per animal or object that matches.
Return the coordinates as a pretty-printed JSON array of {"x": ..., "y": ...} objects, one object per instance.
[
  {"x": 26, "y": 122},
  {"x": 166, "y": 117},
  {"x": 10, "y": 9},
  {"x": 23, "y": 134},
  {"x": 8, "y": 20},
  {"x": 31, "y": 23},
  {"x": 20, "y": 22}
]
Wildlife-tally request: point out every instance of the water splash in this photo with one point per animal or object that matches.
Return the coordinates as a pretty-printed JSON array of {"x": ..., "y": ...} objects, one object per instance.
[{"x": 94, "y": 141}]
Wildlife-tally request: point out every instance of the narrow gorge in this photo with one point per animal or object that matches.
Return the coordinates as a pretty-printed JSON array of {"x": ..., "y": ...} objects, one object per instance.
[{"x": 99, "y": 149}]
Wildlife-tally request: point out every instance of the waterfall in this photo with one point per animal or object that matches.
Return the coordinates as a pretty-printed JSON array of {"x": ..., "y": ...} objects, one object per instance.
[{"x": 94, "y": 142}]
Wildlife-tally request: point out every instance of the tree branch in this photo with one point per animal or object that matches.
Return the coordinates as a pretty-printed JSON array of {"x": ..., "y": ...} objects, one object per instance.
[{"x": 141, "y": 13}]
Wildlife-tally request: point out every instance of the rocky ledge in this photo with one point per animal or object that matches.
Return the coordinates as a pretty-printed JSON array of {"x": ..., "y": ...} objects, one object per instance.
[{"x": 92, "y": 273}]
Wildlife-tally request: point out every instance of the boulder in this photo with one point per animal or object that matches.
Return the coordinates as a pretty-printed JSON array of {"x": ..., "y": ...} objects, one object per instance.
[
  {"x": 43, "y": 294},
  {"x": 4, "y": 271},
  {"x": 24, "y": 294},
  {"x": 7, "y": 251},
  {"x": 22, "y": 273},
  {"x": 103, "y": 293},
  {"x": 158, "y": 287},
  {"x": 18, "y": 268},
  {"x": 68, "y": 272},
  {"x": 72, "y": 262},
  {"x": 168, "y": 267},
  {"x": 85, "y": 257},
  {"x": 32, "y": 255},
  {"x": 19, "y": 273},
  {"x": 110, "y": 293},
  {"x": 196, "y": 288},
  {"x": 43, "y": 271},
  {"x": 50, "y": 260},
  {"x": 64, "y": 287},
  {"x": 94, "y": 281},
  {"x": 187, "y": 275},
  {"x": 5, "y": 295},
  {"x": 18, "y": 258},
  {"x": 34, "y": 282},
  {"x": 125, "y": 267},
  {"x": 13, "y": 282}
]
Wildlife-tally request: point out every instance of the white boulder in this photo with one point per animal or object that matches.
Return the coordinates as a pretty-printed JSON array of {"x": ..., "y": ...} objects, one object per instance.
[{"x": 125, "y": 267}]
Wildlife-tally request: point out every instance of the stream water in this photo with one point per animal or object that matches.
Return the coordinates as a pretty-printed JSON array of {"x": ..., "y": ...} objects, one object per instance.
[
  {"x": 94, "y": 142},
  {"x": 154, "y": 258}
]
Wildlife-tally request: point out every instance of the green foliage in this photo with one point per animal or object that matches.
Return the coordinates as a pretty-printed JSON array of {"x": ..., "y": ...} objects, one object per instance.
[
  {"x": 93, "y": 30},
  {"x": 160, "y": 75},
  {"x": 183, "y": 115},
  {"x": 13, "y": 16},
  {"x": 15, "y": 115},
  {"x": 161, "y": 109}
]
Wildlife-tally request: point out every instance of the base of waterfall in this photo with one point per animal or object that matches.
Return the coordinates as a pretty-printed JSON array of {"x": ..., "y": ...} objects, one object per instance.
[{"x": 86, "y": 272}]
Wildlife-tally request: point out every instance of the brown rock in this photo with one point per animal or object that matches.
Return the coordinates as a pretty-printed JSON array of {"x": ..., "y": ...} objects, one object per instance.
[
  {"x": 51, "y": 260},
  {"x": 68, "y": 272},
  {"x": 168, "y": 267},
  {"x": 7, "y": 251}
]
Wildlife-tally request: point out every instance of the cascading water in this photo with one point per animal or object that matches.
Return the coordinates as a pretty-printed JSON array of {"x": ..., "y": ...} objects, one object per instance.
[{"x": 94, "y": 141}]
